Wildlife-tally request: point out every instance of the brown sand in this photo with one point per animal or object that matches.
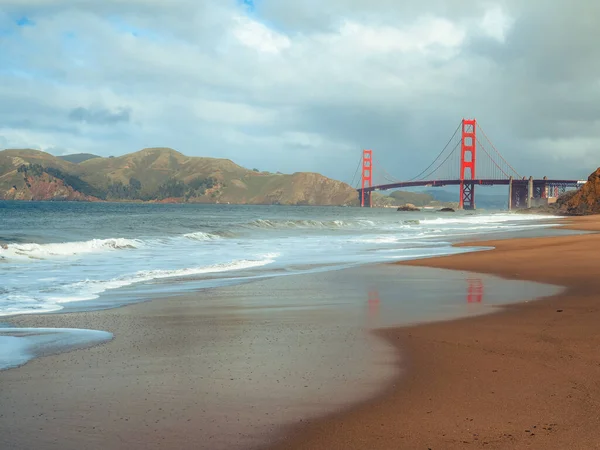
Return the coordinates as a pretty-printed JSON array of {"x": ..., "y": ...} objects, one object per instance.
[{"x": 526, "y": 377}]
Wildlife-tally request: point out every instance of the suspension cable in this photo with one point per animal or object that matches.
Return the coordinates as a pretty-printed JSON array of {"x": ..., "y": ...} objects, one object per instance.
[
  {"x": 438, "y": 156},
  {"x": 499, "y": 154},
  {"x": 357, "y": 167},
  {"x": 492, "y": 159},
  {"x": 384, "y": 173},
  {"x": 444, "y": 161}
]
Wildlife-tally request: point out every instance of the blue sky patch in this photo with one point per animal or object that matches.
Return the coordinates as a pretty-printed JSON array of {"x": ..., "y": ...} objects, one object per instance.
[
  {"x": 250, "y": 5},
  {"x": 24, "y": 22}
]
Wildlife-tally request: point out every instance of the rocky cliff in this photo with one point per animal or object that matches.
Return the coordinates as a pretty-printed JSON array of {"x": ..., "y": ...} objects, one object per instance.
[
  {"x": 584, "y": 201},
  {"x": 44, "y": 188}
]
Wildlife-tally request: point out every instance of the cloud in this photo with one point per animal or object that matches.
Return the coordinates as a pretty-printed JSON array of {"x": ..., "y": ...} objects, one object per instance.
[
  {"x": 100, "y": 116},
  {"x": 259, "y": 37},
  {"x": 288, "y": 85},
  {"x": 496, "y": 23},
  {"x": 430, "y": 35}
]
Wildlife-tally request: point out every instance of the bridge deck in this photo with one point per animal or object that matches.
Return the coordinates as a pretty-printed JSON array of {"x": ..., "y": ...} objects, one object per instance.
[{"x": 479, "y": 182}]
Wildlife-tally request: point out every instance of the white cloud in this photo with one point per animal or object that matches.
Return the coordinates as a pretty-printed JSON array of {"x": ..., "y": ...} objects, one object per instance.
[
  {"x": 425, "y": 36},
  {"x": 259, "y": 37},
  {"x": 232, "y": 113},
  {"x": 496, "y": 23}
]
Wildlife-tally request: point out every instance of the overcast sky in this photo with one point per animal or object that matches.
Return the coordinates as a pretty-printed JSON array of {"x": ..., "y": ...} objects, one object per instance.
[{"x": 304, "y": 85}]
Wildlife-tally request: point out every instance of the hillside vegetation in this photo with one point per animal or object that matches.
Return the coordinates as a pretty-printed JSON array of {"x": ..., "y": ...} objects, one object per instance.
[
  {"x": 160, "y": 174},
  {"x": 399, "y": 198}
]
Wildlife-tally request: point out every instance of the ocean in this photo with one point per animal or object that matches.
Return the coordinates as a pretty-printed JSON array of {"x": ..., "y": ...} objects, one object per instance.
[{"x": 78, "y": 256}]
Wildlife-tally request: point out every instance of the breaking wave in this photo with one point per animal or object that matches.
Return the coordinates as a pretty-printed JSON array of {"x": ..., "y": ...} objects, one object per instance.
[
  {"x": 90, "y": 289},
  {"x": 45, "y": 251},
  {"x": 201, "y": 236},
  {"x": 15, "y": 303},
  {"x": 287, "y": 224},
  {"x": 487, "y": 219}
]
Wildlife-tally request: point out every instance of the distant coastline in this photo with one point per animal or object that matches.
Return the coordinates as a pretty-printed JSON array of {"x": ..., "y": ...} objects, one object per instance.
[{"x": 160, "y": 175}]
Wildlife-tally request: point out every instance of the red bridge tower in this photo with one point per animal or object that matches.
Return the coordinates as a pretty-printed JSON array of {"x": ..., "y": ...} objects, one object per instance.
[
  {"x": 468, "y": 152},
  {"x": 367, "y": 178}
]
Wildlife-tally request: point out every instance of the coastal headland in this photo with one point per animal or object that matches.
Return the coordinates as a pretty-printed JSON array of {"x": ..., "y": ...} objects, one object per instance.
[{"x": 524, "y": 377}]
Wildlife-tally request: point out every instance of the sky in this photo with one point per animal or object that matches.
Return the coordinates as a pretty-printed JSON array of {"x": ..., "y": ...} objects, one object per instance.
[{"x": 283, "y": 85}]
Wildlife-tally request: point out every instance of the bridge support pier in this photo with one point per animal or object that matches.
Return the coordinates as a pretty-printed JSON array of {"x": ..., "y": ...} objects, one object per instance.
[
  {"x": 518, "y": 191},
  {"x": 540, "y": 189},
  {"x": 530, "y": 192},
  {"x": 364, "y": 198},
  {"x": 467, "y": 199},
  {"x": 510, "y": 193}
]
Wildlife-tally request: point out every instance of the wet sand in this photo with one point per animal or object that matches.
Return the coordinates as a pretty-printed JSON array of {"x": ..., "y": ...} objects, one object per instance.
[
  {"x": 219, "y": 372},
  {"x": 526, "y": 377},
  {"x": 231, "y": 367}
]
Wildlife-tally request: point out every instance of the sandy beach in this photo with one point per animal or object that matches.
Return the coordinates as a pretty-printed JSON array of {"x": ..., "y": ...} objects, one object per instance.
[{"x": 527, "y": 376}]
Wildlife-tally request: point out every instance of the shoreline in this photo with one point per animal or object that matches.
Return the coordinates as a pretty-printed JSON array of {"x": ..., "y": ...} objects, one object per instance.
[
  {"x": 526, "y": 376},
  {"x": 400, "y": 346}
]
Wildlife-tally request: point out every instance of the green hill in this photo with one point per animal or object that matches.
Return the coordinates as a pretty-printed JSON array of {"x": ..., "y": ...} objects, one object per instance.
[
  {"x": 160, "y": 174},
  {"x": 398, "y": 198}
]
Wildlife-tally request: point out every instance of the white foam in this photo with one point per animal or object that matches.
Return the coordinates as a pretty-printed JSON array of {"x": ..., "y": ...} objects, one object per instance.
[
  {"x": 201, "y": 236},
  {"x": 65, "y": 249},
  {"x": 90, "y": 289},
  {"x": 487, "y": 219},
  {"x": 318, "y": 224},
  {"x": 20, "y": 345},
  {"x": 13, "y": 304},
  {"x": 377, "y": 240}
]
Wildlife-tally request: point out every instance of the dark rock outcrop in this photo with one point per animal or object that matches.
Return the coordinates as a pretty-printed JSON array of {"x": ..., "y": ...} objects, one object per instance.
[
  {"x": 447, "y": 210},
  {"x": 45, "y": 188},
  {"x": 584, "y": 201}
]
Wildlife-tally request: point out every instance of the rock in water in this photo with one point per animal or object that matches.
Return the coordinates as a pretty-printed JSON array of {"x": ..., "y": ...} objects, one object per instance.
[
  {"x": 586, "y": 200},
  {"x": 408, "y": 207},
  {"x": 447, "y": 210}
]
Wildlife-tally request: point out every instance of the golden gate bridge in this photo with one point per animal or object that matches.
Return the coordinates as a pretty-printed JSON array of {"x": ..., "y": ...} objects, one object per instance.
[{"x": 469, "y": 159}]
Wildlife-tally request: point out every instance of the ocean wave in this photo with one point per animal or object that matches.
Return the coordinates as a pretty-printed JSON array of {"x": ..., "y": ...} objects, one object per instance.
[
  {"x": 20, "y": 345},
  {"x": 318, "y": 224},
  {"x": 15, "y": 303},
  {"x": 202, "y": 236},
  {"x": 65, "y": 249},
  {"x": 90, "y": 289},
  {"x": 377, "y": 240},
  {"x": 488, "y": 219}
]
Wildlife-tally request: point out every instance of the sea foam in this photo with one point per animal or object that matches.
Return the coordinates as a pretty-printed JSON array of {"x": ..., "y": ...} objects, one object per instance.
[
  {"x": 65, "y": 249},
  {"x": 20, "y": 345},
  {"x": 91, "y": 289}
]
